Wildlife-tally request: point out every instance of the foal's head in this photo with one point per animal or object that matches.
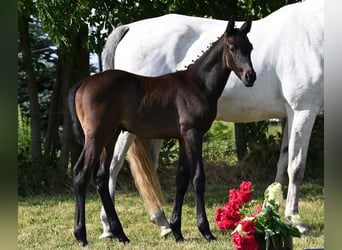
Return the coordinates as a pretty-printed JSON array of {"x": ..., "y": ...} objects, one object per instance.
[{"x": 237, "y": 52}]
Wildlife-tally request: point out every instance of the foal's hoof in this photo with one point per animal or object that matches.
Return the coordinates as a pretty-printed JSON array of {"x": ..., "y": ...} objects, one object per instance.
[
  {"x": 81, "y": 237},
  {"x": 83, "y": 243},
  {"x": 180, "y": 239},
  {"x": 123, "y": 239},
  {"x": 210, "y": 238}
]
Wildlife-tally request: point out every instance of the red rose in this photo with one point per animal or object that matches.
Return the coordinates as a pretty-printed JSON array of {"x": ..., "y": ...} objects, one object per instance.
[
  {"x": 248, "y": 227},
  {"x": 218, "y": 214},
  {"x": 231, "y": 212},
  {"x": 226, "y": 224},
  {"x": 232, "y": 207},
  {"x": 246, "y": 187},
  {"x": 234, "y": 195},
  {"x": 246, "y": 197},
  {"x": 237, "y": 240},
  {"x": 246, "y": 191},
  {"x": 249, "y": 243}
]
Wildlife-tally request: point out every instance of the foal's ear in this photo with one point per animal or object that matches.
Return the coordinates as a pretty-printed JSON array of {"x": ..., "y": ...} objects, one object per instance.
[
  {"x": 246, "y": 27},
  {"x": 230, "y": 26}
]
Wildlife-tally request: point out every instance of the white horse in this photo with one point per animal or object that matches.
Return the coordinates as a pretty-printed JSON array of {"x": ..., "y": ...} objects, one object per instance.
[{"x": 288, "y": 60}]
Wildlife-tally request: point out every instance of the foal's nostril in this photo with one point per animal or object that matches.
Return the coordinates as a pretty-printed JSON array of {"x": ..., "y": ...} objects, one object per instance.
[{"x": 250, "y": 78}]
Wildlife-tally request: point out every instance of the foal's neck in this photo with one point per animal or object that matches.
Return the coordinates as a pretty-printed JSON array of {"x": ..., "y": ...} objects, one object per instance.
[{"x": 211, "y": 71}]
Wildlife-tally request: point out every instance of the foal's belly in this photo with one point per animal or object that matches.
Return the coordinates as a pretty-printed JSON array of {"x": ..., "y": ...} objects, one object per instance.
[{"x": 157, "y": 126}]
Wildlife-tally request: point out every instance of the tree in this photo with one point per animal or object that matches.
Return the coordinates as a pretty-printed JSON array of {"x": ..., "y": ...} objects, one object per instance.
[
  {"x": 66, "y": 23},
  {"x": 25, "y": 8}
]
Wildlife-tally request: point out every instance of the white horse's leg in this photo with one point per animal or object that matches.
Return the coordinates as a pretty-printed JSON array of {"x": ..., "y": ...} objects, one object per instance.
[
  {"x": 300, "y": 131},
  {"x": 122, "y": 145},
  {"x": 158, "y": 217},
  {"x": 282, "y": 164}
]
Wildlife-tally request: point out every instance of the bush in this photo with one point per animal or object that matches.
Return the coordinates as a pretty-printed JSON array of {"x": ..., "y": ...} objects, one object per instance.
[
  {"x": 34, "y": 177},
  {"x": 218, "y": 146},
  {"x": 24, "y": 139}
]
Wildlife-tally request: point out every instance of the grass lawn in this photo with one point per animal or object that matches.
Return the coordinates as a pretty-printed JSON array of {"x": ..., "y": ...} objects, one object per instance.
[{"x": 46, "y": 222}]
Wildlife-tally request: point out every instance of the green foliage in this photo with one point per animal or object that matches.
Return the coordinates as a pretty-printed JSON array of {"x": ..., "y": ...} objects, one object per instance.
[
  {"x": 169, "y": 152},
  {"x": 263, "y": 151},
  {"x": 219, "y": 144},
  {"x": 259, "y": 8},
  {"x": 24, "y": 138},
  {"x": 315, "y": 160},
  {"x": 63, "y": 20},
  {"x": 34, "y": 177},
  {"x": 270, "y": 225}
]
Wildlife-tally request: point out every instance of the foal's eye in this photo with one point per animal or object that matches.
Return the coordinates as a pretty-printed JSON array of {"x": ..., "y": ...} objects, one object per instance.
[{"x": 232, "y": 49}]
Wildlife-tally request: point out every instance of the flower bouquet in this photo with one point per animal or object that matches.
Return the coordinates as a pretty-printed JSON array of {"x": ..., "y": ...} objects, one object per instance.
[{"x": 261, "y": 229}]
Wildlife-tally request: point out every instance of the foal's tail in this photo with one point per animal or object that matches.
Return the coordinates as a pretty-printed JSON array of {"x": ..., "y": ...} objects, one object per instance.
[
  {"x": 144, "y": 174},
  {"x": 76, "y": 125},
  {"x": 112, "y": 43}
]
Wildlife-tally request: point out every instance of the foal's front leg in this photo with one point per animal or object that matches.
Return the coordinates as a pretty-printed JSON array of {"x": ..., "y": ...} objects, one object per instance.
[
  {"x": 193, "y": 149},
  {"x": 182, "y": 183},
  {"x": 192, "y": 166}
]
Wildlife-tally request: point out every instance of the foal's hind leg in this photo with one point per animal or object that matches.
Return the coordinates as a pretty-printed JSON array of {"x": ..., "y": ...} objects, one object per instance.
[
  {"x": 101, "y": 179},
  {"x": 82, "y": 171}
]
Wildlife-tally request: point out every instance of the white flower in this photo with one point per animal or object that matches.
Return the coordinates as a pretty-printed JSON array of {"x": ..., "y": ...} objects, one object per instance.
[{"x": 274, "y": 192}]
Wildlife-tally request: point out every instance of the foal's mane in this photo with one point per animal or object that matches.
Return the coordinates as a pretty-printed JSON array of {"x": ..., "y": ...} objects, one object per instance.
[{"x": 199, "y": 56}]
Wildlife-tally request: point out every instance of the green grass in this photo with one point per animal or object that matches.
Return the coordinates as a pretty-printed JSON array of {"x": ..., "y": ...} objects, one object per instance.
[{"x": 46, "y": 222}]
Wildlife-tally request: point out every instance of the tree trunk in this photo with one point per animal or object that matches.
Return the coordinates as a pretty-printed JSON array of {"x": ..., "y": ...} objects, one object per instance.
[
  {"x": 240, "y": 141},
  {"x": 77, "y": 69},
  {"x": 232, "y": 8},
  {"x": 100, "y": 61},
  {"x": 24, "y": 40},
  {"x": 55, "y": 117}
]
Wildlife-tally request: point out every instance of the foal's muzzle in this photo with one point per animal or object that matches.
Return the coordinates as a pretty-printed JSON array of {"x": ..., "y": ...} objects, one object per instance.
[{"x": 250, "y": 78}]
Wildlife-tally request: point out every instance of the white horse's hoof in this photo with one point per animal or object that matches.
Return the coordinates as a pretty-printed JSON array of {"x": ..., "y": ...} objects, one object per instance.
[
  {"x": 165, "y": 231},
  {"x": 297, "y": 222},
  {"x": 302, "y": 229},
  {"x": 160, "y": 220},
  {"x": 106, "y": 235}
]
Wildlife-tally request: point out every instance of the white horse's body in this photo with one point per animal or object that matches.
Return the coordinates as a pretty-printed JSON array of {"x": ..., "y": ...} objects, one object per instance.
[{"x": 287, "y": 57}]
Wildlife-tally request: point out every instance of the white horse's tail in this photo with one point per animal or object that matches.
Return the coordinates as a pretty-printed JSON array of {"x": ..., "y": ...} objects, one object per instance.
[
  {"x": 145, "y": 175},
  {"x": 112, "y": 42}
]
